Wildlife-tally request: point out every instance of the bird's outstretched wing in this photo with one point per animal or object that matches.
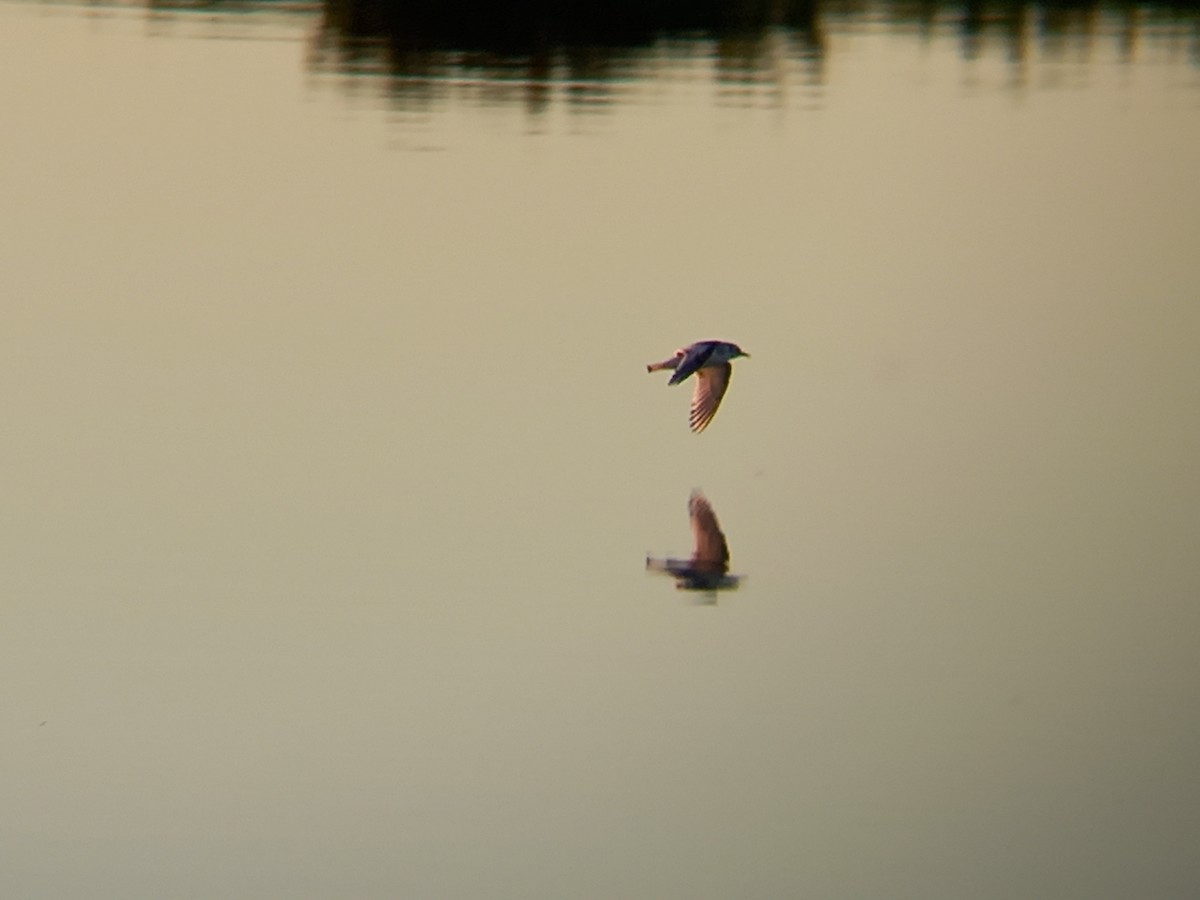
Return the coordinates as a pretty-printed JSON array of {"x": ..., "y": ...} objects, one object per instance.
[
  {"x": 709, "y": 546},
  {"x": 711, "y": 384}
]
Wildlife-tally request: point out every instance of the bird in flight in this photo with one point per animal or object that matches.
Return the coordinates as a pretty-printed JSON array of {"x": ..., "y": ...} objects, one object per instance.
[
  {"x": 708, "y": 568},
  {"x": 710, "y": 362}
]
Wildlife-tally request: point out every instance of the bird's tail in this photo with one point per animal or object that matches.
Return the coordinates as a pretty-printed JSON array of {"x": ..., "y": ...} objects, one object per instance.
[{"x": 671, "y": 363}]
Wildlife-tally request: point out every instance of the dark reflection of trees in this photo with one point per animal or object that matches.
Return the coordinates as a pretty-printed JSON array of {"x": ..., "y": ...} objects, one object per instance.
[{"x": 589, "y": 51}]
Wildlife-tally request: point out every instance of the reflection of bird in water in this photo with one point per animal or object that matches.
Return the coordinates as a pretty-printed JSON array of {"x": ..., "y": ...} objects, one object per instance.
[
  {"x": 708, "y": 568},
  {"x": 710, "y": 360}
]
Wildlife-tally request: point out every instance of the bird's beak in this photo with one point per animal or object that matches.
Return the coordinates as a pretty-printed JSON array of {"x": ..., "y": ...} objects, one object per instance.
[{"x": 747, "y": 355}]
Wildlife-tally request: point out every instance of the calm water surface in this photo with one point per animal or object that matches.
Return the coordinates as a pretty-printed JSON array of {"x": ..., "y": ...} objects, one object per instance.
[{"x": 331, "y": 464}]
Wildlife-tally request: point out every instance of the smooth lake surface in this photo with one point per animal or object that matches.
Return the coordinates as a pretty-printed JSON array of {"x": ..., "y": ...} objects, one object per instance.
[{"x": 331, "y": 464}]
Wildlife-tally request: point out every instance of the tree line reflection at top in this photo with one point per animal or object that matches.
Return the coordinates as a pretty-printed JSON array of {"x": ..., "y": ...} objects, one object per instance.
[
  {"x": 592, "y": 53},
  {"x": 589, "y": 52}
]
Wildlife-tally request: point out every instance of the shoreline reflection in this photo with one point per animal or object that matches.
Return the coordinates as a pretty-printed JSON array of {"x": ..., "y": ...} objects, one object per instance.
[
  {"x": 707, "y": 569},
  {"x": 589, "y": 56},
  {"x": 586, "y": 56}
]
